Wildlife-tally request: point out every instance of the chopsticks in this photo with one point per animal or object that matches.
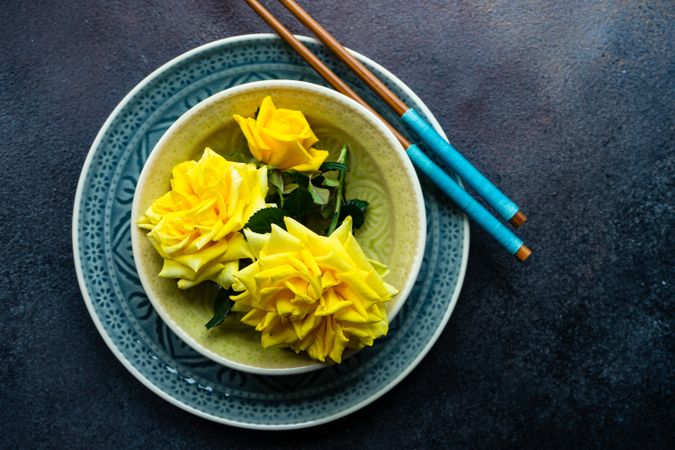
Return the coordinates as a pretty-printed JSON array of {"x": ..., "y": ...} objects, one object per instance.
[
  {"x": 474, "y": 178},
  {"x": 420, "y": 160}
]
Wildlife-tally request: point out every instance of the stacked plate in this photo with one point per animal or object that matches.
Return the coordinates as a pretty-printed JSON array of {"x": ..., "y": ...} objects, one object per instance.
[{"x": 140, "y": 339}]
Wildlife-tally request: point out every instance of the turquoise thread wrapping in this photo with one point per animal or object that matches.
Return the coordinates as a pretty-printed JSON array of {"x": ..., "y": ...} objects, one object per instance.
[
  {"x": 472, "y": 176},
  {"x": 468, "y": 204}
]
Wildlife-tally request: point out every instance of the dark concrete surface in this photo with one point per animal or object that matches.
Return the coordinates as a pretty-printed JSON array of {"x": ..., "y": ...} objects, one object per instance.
[{"x": 569, "y": 106}]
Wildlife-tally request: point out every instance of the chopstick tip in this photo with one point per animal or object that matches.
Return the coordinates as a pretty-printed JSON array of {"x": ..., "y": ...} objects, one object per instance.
[
  {"x": 523, "y": 253},
  {"x": 518, "y": 219}
]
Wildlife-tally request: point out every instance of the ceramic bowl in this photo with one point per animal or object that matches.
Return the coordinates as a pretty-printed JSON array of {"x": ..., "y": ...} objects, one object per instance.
[{"x": 380, "y": 172}]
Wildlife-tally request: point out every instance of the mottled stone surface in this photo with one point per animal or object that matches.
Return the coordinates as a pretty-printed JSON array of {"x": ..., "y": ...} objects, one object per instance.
[{"x": 569, "y": 106}]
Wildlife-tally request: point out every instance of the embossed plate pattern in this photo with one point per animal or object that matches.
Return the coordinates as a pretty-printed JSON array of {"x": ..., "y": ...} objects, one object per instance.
[{"x": 139, "y": 338}]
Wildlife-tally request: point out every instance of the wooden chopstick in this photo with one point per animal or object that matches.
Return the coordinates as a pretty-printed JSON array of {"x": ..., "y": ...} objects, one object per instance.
[
  {"x": 500, "y": 202},
  {"x": 354, "y": 64},
  {"x": 319, "y": 66},
  {"x": 468, "y": 204}
]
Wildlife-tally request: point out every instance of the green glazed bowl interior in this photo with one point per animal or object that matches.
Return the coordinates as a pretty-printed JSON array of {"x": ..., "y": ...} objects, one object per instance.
[{"x": 380, "y": 172}]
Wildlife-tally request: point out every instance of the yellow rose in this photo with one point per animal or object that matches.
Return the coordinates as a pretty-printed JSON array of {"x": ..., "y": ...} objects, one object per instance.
[
  {"x": 281, "y": 138},
  {"x": 194, "y": 225},
  {"x": 312, "y": 293}
]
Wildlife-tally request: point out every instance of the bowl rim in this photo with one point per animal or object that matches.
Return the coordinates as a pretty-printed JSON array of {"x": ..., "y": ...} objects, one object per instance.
[{"x": 420, "y": 243}]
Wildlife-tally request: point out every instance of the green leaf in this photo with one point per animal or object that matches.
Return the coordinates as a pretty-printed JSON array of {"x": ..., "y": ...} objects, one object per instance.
[
  {"x": 299, "y": 203},
  {"x": 339, "y": 195},
  {"x": 262, "y": 220},
  {"x": 221, "y": 307},
  {"x": 276, "y": 180},
  {"x": 288, "y": 188},
  {"x": 300, "y": 178},
  {"x": 273, "y": 197},
  {"x": 361, "y": 204},
  {"x": 328, "y": 209},
  {"x": 358, "y": 217},
  {"x": 331, "y": 182},
  {"x": 357, "y": 209},
  {"x": 333, "y": 165},
  {"x": 319, "y": 195},
  {"x": 237, "y": 156}
]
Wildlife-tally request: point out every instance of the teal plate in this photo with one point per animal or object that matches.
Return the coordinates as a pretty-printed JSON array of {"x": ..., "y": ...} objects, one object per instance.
[{"x": 135, "y": 333}]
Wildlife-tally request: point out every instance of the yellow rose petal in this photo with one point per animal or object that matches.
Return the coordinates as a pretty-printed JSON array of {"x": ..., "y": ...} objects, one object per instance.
[
  {"x": 266, "y": 111},
  {"x": 195, "y": 226},
  {"x": 312, "y": 293},
  {"x": 281, "y": 138},
  {"x": 256, "y": 144},
  {"x": 316, "y": 158}
]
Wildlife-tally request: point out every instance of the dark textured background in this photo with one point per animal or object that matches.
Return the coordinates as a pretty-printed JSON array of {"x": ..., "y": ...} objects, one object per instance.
[{"x": 569, "y": 106}]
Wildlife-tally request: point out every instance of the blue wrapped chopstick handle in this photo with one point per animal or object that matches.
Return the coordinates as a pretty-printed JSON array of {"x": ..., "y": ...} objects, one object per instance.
[
  {"x": 472, "y": 176},
  {"x": 466, "y": 203}
]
